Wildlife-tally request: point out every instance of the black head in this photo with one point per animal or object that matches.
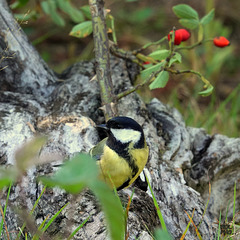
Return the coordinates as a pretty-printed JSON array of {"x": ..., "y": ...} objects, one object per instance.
[
  {"x": 123, "y": 123},
  {"x": 123, "y": 131}
]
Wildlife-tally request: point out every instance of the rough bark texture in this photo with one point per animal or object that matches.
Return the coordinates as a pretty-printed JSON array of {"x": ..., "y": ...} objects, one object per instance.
[{"x": 182, "y": 160}]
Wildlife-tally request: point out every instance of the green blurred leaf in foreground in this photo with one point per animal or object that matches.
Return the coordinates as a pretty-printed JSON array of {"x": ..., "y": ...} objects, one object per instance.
[
  {"x": 74, "y": 175},
  {"x": 162, "y": 235},
  {"x": 80, "y": 172},
  {"x": 7, "y": 176},
  {"x": 27, "y": 155}
]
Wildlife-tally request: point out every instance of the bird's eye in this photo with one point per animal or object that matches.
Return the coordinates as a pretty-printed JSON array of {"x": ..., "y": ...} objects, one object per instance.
[
  {"x": 118, "y": 126},
  {"x": 114, "y": 124}
]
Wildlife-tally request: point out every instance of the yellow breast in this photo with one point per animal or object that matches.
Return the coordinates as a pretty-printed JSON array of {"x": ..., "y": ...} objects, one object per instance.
[{"x": 116, "y": 170}]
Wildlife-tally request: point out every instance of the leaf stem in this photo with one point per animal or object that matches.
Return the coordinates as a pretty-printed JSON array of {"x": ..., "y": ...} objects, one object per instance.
[
  {"x": 195, "y": 44},
  {"x": 135, "y": 88},
  {"x": 147, "y": 45}
]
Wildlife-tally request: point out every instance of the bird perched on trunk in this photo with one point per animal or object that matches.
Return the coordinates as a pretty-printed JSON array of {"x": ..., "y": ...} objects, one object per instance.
[{"x": 122, "y": 155}]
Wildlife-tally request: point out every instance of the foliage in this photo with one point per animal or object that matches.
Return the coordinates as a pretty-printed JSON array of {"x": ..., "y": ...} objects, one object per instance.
[
  {"x": 53, "y": 8},
  {"x": 220, "y": 115},
  {"x": 165, "y": 64},
  {"x": 77, "y": 174},
  {"x": 25, "y": 158},
  {"x": 81, "y": 172},
  {"x": 82, "y": 29},
  {"x": 162, "y": 60}
]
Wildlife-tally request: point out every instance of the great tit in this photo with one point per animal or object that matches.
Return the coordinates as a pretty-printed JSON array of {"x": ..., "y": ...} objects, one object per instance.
[{"x": 122, "y": 155}]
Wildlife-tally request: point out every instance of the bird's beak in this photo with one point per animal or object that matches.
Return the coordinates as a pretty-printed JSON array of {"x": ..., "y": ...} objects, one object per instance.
[
  {"x": 103, "y": 130},
  {"x": 102, "y": 127}
]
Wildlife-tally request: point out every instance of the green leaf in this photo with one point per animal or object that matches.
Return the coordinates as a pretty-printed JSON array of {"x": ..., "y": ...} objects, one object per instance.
[
  {"x": 86, "y": 11},
  {"x": 208, "y": 18},
  {"x": 145, "y": 74},
  {"x": 76, "y": 15},
  {"x": 189, "y": 23},
  {"x": 80, "y": 172},
  {"x": 45, "y": 7},
  {"x": 50, "y": 8},
  {"x": 176, "y": 58},
  {"x": 185, "y": 11},
  {"x": 23, "y": 2},
  {"x": 160, "y": 81},
  {"x": 82, "y": 29},
  {"x": 161, "y": 234},
  {"x": 7, "y": 176},
  {"x": 112, "y": 208},
  {"x": 207, "y": 92},
  {"x": 18, "y": 4},
  {"x": 159, "y": 54},
  {"x": 74, "y": 175}
]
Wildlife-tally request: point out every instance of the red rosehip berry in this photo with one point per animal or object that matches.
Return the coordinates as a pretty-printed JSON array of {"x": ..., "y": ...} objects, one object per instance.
[
  {"x": 221, "y": 42},
  {"x": 178, "y": 37},
  {"x": 185, "y": 34},
  {"x": 181, "y": 35}
]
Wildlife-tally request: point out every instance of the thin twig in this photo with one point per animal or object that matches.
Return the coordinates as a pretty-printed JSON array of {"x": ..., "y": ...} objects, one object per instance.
[
  {"x": 194, "y": 45},
  {"x": 135, "y": 88},
  {"x": 147, "y": 45}
]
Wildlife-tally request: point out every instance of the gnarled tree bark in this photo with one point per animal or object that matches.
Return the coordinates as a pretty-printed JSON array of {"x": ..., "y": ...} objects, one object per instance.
[{"x": 182, "y": 159}]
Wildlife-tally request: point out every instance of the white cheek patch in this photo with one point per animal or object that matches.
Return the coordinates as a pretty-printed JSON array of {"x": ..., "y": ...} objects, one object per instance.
[{"x": 126, "y": 135}]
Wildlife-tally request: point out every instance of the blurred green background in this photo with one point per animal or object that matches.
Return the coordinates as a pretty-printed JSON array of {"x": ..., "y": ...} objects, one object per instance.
[{"x": 138, "y": 22}]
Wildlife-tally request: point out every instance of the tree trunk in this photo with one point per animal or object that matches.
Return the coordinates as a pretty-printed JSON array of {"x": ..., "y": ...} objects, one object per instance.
[{"x": 182, "y": 160}]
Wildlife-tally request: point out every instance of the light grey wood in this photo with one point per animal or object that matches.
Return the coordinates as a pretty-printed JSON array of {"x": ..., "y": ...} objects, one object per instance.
[{"x": 34, "y": 100}]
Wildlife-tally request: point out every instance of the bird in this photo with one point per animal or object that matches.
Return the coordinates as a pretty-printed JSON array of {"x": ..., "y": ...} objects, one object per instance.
[{"x": 123, "y": 154}]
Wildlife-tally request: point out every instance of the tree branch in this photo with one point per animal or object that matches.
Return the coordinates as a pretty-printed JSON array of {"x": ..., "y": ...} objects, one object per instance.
[{"x": 101, "y": 48}]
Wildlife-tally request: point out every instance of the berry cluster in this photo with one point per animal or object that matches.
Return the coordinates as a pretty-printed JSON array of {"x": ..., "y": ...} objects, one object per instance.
[{"x": 182, "y": 35}]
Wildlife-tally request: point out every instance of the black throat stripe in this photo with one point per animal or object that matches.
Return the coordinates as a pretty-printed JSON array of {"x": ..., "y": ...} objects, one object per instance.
[
  {"x": 125, "y": 184},
  {"x": 122, "y": 150}
]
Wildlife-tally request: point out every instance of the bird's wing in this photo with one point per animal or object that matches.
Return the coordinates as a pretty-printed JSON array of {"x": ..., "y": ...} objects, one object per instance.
[{"x": 97, "y": 151}]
